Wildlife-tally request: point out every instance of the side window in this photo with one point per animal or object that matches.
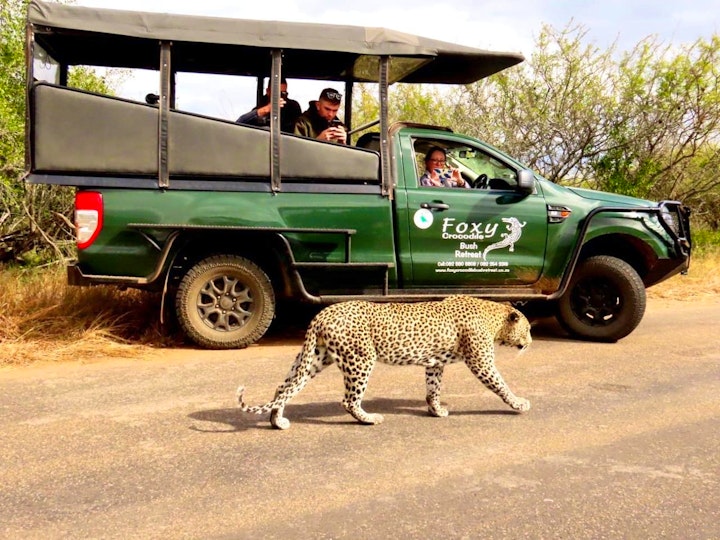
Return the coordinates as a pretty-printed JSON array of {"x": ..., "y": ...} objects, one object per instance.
[
  {"x": 477, "y": 167},
  {"x": 441, "y": 149}
]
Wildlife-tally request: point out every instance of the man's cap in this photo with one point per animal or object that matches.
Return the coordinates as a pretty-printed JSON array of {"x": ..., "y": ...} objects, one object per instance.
[{"x": 331, "y": 95}]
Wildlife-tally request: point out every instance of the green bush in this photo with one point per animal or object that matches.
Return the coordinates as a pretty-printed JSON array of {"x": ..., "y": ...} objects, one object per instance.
[{"x": 705, "y": 242}]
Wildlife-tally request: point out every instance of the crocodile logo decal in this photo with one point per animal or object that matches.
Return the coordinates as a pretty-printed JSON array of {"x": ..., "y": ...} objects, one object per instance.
[{"x": 514, "y": 233}]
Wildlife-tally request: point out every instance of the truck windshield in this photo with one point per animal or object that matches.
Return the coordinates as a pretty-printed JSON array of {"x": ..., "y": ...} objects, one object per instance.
[{"x": 475, "y": 163}]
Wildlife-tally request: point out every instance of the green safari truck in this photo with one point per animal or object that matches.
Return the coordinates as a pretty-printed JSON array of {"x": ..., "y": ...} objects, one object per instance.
[{"x": 229, "y": 221}]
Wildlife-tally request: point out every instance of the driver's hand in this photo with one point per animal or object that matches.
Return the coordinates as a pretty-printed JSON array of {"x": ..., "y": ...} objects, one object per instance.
[
  {"x": 435, "y": 178},
  {"x": 457, "y": 177}
]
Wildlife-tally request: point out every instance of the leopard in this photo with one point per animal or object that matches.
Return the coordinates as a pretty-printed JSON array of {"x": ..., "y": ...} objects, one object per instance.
[{"x": 356, "y": 334}]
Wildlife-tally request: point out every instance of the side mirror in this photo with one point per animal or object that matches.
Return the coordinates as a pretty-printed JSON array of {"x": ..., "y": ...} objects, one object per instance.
[{"x": 526, "y": 181}]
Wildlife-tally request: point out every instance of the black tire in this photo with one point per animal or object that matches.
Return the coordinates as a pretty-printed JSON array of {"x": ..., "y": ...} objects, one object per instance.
[
  {"x": 605, "y": 300},
  {"x": 225, "y": 302}
]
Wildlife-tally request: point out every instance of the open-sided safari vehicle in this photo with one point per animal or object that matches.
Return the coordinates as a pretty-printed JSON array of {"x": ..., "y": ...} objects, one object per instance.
[{"x": 230, "y": 219}]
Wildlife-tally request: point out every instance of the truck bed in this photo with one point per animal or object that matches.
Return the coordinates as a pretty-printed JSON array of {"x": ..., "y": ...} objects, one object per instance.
[{"x": 82, "y": 134}]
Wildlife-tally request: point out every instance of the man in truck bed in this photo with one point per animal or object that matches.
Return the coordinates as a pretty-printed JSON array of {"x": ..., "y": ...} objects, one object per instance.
[{"x": 320, "y": 120}]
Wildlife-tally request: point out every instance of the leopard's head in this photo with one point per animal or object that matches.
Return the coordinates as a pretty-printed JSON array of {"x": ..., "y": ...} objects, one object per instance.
[{"x": 515, "y": 331}]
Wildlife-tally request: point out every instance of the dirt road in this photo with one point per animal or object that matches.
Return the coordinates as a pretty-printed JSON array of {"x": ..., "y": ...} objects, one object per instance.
[{"x": 621, "y": 442}]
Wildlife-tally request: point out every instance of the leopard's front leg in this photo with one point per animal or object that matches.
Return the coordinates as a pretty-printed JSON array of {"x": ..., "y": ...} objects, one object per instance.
[
  {"x": 488, "y": 374},
  {"x": 433, "y": 382}
]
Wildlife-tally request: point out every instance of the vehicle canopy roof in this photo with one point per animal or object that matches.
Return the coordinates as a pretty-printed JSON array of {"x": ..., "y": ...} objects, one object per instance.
[{"x": 75, "y": 35}]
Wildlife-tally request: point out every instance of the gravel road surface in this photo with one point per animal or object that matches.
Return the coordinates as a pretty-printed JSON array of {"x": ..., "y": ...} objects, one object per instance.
[{"x": 621, "y": 442}]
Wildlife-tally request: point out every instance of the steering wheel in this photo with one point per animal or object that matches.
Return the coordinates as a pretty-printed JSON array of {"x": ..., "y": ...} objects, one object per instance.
[{"x": 481, "y": 182}]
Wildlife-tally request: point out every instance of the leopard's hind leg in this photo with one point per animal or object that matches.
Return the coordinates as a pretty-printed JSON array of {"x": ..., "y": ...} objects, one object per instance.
[
  {"x": 312, "y": 360},
  {"x": 433, "y": 382},
  {"x": 356, "y": 375},
  {"x": 322, "y": 361}
]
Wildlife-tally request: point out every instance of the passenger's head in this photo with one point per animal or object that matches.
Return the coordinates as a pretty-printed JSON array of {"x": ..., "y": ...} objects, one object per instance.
[
  {"x": 328, "y": 103},
  {"x": 283, "y": 87},
  {"x": 435, "y": 158}
]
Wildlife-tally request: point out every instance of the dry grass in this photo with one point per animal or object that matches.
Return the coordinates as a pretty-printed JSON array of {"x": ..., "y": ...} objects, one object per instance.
[
  {"x": 701, "y": 282},
  {"x": 43, "y": 319}
]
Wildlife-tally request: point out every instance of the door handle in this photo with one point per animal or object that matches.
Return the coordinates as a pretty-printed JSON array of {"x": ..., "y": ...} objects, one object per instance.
[{"x": 435, "y": 206}]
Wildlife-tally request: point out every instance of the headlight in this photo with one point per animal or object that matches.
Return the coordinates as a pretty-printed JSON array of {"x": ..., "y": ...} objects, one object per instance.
[{"x": 670, "y": 218}]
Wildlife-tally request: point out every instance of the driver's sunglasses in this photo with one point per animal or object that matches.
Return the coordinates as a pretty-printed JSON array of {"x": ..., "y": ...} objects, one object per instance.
[{"x": 333, "y": 95}]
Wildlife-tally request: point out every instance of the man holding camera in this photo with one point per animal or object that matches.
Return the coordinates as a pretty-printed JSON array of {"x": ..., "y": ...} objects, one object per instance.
[
  {"x": 260, "y": 115},
  {"x": 320, "y": 121}
]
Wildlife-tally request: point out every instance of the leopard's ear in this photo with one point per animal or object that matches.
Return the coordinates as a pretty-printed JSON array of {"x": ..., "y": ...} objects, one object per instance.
[{"x": 513, "y": 316}]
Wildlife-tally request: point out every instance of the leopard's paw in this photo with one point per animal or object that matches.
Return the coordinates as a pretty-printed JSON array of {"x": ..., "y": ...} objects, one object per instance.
[
  {"x": 278, "y": 421},
  {"x": 370, "y": 419},
  {"x": 357, "y": 412},
  {"x": 438, "y": 411},
  {"x": 520, "y": 405}
]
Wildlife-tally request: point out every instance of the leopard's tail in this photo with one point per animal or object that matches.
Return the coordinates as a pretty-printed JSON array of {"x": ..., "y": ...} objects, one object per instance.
[{"x": 308, "y": 363}]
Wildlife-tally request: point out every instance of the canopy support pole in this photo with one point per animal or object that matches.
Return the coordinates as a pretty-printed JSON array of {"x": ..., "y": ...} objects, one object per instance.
[
  {"x": 386, "y": 171},
  {"x": 164, "y": 113},
  {"x": 274, "y": 84}
]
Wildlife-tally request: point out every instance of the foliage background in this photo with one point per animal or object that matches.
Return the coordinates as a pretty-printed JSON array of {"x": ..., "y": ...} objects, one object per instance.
[{"x": 35, "y": 221}]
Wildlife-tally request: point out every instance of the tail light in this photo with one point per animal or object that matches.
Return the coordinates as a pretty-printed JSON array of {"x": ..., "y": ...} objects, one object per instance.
[{"x": 88, "y": 217}]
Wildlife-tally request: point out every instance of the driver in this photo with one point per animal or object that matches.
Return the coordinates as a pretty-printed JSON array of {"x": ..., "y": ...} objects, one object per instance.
[{"x": 437, "y": 174}]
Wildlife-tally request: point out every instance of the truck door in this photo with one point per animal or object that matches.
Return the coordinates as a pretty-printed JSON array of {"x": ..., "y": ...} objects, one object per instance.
[{"x": 490, "y": 234}]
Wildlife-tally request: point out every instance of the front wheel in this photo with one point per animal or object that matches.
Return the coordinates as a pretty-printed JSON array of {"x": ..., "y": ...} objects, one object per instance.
[
  {"x": 605, "y": 300},
  {"x": 225, "y": 302}
]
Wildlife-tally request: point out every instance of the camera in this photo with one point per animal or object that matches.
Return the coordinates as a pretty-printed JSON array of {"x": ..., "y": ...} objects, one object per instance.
[
  {"x": 284, "y": 95},
  {"x": 335, "y": 123}
]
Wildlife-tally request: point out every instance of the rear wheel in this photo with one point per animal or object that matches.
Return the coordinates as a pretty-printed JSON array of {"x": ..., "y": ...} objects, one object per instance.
[
  {"x": 605, "y": 300},
  {"x": 225, "y": 302}
]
